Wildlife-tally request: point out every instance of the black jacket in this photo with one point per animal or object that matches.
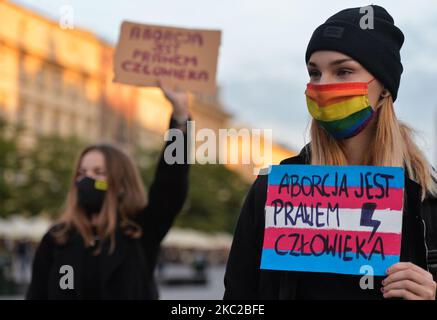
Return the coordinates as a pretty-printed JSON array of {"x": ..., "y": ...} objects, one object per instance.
[
  {"x": 129, "y": 272},
  {"x": 245, "y": 280}
]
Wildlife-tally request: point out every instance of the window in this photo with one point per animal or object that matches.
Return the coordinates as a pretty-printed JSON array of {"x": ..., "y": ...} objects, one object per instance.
[
  {"x": 73, "y": 125},
  {"x": 55, "y": 122},
  {"x": 2, "y": 104},
  {"x": 40, "y": 79},
  {"x": 21, "y": 112},
  {"x": 38, "y": 119},
  {"x": 57, "y": 81}
]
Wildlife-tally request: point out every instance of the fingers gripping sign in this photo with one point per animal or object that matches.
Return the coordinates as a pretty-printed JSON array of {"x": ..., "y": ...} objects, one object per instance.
[{"x": 410, "y": 282}]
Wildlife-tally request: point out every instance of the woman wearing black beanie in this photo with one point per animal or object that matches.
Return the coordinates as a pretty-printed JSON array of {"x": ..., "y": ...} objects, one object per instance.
[{"x": 355, "y": 71}]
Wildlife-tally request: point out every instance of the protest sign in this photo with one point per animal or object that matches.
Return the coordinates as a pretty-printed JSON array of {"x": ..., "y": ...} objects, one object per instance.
[
  {"x": 333, "y": 219},
  {"x": 180, "y": 58}
]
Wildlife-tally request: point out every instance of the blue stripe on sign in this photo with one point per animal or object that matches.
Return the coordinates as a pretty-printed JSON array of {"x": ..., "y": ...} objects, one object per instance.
[
  {"x": 325, "y": 263},
  {"x": 352, "y": 172}
]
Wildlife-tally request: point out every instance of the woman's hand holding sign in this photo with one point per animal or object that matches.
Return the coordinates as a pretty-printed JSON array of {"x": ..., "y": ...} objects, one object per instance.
[
  {"x": 410, "y": 282},
  {"x": 179, "y": 101}
]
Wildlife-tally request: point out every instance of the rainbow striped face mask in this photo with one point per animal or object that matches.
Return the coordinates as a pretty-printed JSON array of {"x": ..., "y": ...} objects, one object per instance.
[{"x": 342, "y": 109}]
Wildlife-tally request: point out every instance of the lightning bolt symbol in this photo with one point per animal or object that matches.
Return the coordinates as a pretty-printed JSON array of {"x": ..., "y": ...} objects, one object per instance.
[{"x": 366, "y": 217}]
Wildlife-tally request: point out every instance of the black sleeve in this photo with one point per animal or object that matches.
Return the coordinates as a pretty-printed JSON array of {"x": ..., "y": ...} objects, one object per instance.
[
  {"x": 429, "y": 215},
  {"x": 167, "y": 193},
  {"x": 242, "y": 270},
  {"x": 38, "y": 289}
]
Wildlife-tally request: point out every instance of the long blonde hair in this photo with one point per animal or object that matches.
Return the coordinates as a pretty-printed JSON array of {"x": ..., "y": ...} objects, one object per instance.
[
  {"x": 125, "y": 197},
  {"x": 392, "y": 145}
]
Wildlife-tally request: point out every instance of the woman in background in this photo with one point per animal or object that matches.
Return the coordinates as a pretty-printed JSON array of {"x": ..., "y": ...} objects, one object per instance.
[{"x": 109, "y": 235}]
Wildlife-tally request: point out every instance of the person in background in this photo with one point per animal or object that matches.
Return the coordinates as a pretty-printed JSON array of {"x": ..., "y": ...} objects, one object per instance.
[
  {"x": 110, "y": 231},
  {"x": 354, "y": 79}
]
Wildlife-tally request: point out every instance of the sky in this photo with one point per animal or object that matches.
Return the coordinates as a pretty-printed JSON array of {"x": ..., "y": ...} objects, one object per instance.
[{"x": 261, "y": 71}]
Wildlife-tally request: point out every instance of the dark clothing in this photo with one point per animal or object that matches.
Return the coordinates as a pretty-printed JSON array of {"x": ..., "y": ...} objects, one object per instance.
[
  {"x": 91, "y": 278},
  {"x": 245, "y": 280},
  {"x": 127, "y": 273}
]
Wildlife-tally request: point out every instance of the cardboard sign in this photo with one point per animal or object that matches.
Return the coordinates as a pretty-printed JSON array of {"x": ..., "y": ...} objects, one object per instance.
[
  {"x": 180, "y": 58},
  {"x": 335, "y": 219}
]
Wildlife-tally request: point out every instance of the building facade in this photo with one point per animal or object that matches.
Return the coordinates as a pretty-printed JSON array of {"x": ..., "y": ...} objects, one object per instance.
[{"x": 59, "y": 81}]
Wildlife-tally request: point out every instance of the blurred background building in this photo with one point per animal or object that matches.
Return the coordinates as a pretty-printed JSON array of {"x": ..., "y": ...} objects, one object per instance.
[{"x": 57, "y": 82}]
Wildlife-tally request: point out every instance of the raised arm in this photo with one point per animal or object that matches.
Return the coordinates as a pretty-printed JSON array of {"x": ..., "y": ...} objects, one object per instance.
[{"x": 169, "y": 188}]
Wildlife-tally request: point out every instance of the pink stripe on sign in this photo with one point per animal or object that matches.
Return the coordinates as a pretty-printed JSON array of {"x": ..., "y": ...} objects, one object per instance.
[
  {"x": 394, "y": 202},
  {"x": 391, "y": 241}
]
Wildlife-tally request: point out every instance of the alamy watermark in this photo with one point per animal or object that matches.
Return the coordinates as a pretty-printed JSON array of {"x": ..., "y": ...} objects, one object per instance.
[
  {"x": 227, "y": 146},
  {"x": 367, "y": 21},
  {"x": 67, "y": 279},
  {"x": 367, "y": 281}
]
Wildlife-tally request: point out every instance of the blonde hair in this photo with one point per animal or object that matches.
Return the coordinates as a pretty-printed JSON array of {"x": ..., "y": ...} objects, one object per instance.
[
  {"x": 125, "y": 197},
  {"x": 392, "y": 146}
]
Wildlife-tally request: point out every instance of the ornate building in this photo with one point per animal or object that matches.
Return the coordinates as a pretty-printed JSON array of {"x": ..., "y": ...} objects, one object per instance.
[{"x": 59, "y": 81}]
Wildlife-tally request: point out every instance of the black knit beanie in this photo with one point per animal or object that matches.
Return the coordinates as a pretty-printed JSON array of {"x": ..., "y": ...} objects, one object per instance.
[{"x": 377, "y": 49}]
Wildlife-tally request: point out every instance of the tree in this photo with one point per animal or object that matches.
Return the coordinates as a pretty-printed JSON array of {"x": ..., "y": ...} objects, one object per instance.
[
  {"x": 8, "y": 165},
  {"x": 47, "y": 170},
  {"x": 215, "y": 194},
  {"x": 34, "y": 180}
]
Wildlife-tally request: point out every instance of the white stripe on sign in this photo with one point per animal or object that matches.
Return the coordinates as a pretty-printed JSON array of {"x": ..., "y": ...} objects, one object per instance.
[{"x": 343, "y": 219}]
